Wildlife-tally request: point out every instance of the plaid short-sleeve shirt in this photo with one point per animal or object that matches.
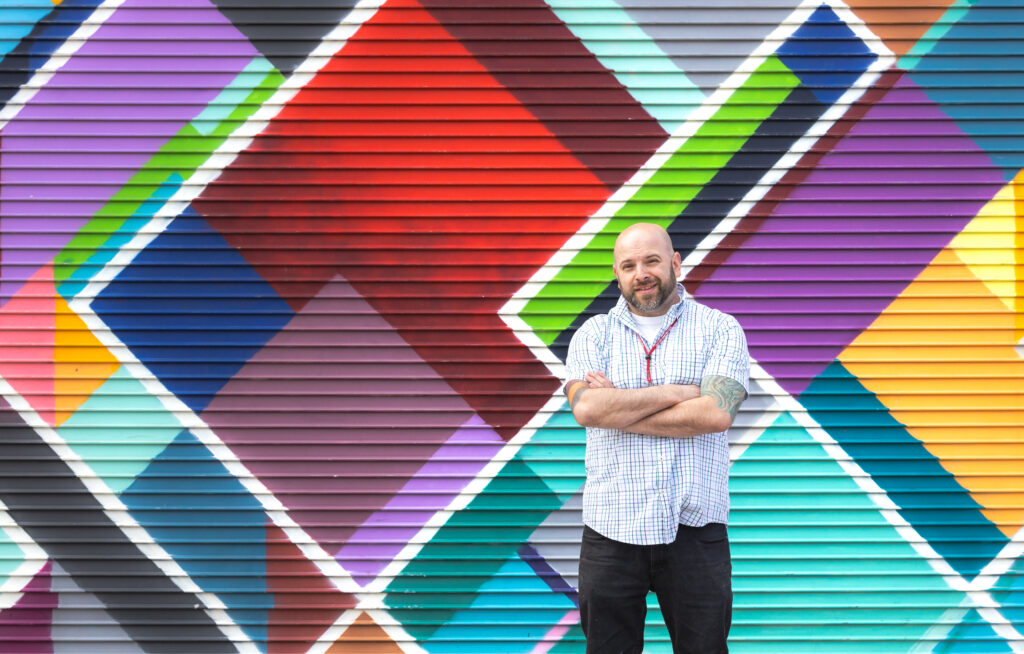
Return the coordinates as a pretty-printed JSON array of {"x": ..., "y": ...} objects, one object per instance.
[{"x": 640, "y": 488}]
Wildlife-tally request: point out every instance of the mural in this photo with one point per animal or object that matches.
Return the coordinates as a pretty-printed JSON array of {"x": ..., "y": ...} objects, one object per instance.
[{"x": 285, "y": 293}]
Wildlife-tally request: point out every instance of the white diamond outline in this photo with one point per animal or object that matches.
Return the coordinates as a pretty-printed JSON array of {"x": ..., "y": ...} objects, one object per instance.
[
  {"x": 35, "y": 560},
  {"x": 120, "y": 516}
]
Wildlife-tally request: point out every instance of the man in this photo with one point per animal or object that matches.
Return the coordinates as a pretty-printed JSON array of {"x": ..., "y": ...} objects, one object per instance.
[{"x": 656, "y": 381}]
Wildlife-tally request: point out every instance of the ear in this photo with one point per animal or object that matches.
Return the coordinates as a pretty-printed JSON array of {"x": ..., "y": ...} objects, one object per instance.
[{"x": 677, "y": 264}]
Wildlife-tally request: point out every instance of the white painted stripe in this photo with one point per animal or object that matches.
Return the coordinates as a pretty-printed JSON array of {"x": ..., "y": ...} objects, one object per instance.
[
  {"x": 472, "y": 489},
  {"x": 35, "y": 559},
  {"x": 207, "y": 173},
  {"x": 887, "y": 508},
  {"x": 213, "y": 167},
  {"x": 229, "y": 150},
  {"x": 624, "y": 193},
  {"x": 396, "y": 631},
  {"x": 57, "y": 60},
  {"x": 189, "y": 420},
  {"x": 121, "y": 517}
]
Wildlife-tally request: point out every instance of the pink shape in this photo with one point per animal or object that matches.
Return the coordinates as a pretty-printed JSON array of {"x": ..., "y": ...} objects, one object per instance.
[
  {"x": 27, "y": 336},
  {"x": 556, "y": 633}
]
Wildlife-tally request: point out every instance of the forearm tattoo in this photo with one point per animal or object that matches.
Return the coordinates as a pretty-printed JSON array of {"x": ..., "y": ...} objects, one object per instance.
[{"x": 727, "y": 393}]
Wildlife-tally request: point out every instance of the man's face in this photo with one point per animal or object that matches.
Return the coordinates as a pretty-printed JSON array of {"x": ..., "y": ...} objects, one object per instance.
[{"x": 647, "y": 272}]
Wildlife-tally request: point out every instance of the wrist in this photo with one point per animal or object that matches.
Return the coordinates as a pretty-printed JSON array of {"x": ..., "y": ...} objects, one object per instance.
[{"x": 684, "y": 392}]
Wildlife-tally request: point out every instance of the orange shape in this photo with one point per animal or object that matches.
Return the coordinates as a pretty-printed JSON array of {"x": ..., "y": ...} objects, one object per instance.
[
  {"x": 941, "y": 357},
  {"x": 364, "y": 636},
  {"x": 27, "y": 342},
  {"x": 81, "y": 362},
  {"x": 900, "y": 25}
]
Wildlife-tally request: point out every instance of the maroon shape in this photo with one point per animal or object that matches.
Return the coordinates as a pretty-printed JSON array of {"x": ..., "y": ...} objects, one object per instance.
[
  {"x": 25, "y": 627},
  {"x": 537, "y": 57}
]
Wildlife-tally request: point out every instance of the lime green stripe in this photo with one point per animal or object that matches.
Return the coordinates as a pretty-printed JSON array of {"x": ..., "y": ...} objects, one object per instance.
[
  {"x": 663, "y": 197},
  {"x": 182, "y": 155}
]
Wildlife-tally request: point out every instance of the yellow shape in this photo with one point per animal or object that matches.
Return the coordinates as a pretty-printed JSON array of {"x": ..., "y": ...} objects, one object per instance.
[
  {"x": 986, "y": 245},
  {"x": 82, "y": 363},
  {"x": 942, "y": 358}
]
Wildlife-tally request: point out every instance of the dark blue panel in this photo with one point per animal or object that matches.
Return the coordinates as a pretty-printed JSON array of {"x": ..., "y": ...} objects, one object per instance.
[
  {"x": 213, "y": 527},
  {"x": 826, "y": 55},
  {"x": 192, "y": 309},
  {"x": 931, "y": 499}
]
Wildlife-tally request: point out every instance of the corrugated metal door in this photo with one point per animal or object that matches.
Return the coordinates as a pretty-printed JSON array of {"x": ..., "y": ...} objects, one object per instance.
[{"x": 285, "y": 294}]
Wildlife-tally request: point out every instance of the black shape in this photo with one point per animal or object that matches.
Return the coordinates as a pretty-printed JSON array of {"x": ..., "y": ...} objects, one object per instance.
[
  {"x": 285, "y": 33},
  {"x": 769, "y": 143},
  {"x": 48, "y": 501}
]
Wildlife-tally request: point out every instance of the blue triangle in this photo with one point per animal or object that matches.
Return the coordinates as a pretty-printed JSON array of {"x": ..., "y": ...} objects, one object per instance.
[
  {"x": 208, "y": 521},
  {"x": 826, "y": 55},
  {"x": 931, "y": 498}
]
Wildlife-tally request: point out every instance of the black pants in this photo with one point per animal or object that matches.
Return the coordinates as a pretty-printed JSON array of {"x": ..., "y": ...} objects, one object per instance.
[{"x": 691, "y": 576}]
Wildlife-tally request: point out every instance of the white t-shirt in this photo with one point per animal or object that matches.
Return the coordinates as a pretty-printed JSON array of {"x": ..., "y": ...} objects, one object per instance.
[{"x": 649, "y": 326}]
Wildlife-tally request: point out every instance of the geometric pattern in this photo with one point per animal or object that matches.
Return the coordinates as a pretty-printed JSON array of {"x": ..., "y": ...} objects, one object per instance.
[{"x": 286, "y": 291}]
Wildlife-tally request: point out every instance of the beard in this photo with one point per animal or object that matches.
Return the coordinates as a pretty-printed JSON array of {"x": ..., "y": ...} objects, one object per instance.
[{"x": 664, "y": 288}]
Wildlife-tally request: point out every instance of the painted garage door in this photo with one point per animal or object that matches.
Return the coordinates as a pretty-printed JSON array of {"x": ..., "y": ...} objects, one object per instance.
[{"x": 286, "y": 291}]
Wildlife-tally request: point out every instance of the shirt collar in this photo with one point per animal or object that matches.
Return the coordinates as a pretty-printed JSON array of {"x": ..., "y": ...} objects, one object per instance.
[{"x": 622, "y": 313}]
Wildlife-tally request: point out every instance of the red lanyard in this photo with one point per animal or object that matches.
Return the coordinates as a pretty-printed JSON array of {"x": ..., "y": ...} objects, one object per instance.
[{"x": 649, "y": 352}]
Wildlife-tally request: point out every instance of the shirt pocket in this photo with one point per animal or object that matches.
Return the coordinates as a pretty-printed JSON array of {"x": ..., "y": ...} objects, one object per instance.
[{"x": 684, "y": 365}]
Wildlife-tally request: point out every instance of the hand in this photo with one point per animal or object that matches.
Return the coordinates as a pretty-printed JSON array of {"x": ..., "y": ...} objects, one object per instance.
[
  {"x": 689, "y": 391},
  {"x": 598, "y": 380}
]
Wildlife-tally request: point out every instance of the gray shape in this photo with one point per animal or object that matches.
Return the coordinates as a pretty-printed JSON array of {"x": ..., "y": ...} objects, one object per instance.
[
  {"x": 55, "y": 508},
  {"x": 558, "y": 539},
  {"x": 81, "y": 624},
  {"x": 745, "y": 429},
  {"x": 708, "y": 41},
  {"x": 758, "y": 403}
]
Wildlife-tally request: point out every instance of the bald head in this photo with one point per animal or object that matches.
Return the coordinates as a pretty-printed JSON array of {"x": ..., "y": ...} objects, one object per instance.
[
  {"x": 645, "y": 235},
  {"x": 647, "y": 269}
]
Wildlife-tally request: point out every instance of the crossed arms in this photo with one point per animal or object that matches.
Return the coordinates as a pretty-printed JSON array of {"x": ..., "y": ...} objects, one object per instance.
[{"x": 672, "y": 410}]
